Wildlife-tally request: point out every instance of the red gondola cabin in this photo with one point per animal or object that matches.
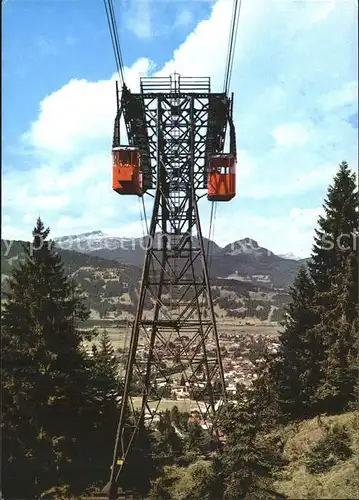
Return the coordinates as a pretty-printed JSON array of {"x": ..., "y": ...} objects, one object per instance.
[
  {"x": 221, "y": 177},
  {"x": 126, "y": 170}
]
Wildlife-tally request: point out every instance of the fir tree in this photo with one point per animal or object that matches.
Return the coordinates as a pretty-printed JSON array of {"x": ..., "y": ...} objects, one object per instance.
[
  {"x": 245, "y": 468},
  {"x": 296, "y": 371},
  {"x": 264, "y": 394},
  {"x": 105, "y": 368},
  {"x": 44, "y": 374},
  {"x": 168, "y": 445},
  {"x": 334, "y": 270},
  {"x": 335, "y": 237},
  {"x": 175, "y": 416},
  {"x": 338, "y": 330}
]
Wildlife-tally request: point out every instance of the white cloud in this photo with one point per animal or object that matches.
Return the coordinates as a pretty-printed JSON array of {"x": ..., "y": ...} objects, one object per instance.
[
  {"x": 322, "y": 13},
  {"x": 86, "y": 117},
  {"x": 306, "y": 217},
  {"x": 291, "y": 134},
  {"x": 289, "y": 181},
  {"x": 347, "y": 94},
  {"x": 290, "y": 232},
  {"x": 5, "y": 219},
  {"x": 79, "y": 113},
  {"x": 132, "y": 229},
  {"x": 29, "y": 218},
  {"x": 292, "y": 77}
]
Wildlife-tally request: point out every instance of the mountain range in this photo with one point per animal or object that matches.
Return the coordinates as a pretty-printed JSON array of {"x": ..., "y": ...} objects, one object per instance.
[
  {"x": 242, "y": 260},
  {"x": 248, "y": 281}
]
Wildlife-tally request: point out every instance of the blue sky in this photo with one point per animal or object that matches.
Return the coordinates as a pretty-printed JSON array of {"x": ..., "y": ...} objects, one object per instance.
[{"x": 295, "y": 85}]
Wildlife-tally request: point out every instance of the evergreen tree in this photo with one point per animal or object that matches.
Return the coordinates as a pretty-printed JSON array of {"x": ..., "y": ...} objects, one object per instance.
[
  {"x": 334, "y": 270},
  {"x": 334, "y": 240},
  {"x": 45, "y": 378},
  {"x": 316, "y": 369},
  {"x": 264, "y": 395},
  {"x": 296, "y": 371},
  {"x": 169, "y": 445},
  {"x": 175, "y": 416},
  {"x": 245, "y": 468},
  {"x": 106, "y": 367},
  {"x": 140, "y": 467},
  {"x": 106, "y": 385},
  {"x": 338, "y": 329}
]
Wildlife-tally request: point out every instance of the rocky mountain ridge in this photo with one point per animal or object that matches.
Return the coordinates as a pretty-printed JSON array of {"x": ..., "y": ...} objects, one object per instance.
[
  {"x": 243, "y": 260},
  {"x": 249, "y": 284}
]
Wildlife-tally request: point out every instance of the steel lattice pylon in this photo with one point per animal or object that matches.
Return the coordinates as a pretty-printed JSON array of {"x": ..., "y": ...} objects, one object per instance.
[{"x": 177, "y": 123}]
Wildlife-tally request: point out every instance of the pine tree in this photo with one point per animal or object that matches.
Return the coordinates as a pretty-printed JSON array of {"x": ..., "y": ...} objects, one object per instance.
[
  {"x": 334, "y": 270},
  {"x": 334, "y": 240},
  {"x": 140, "y": 466},
  {"x": 105, "y": 368},
  {"x": 44, "y": 373},
  {"x": 168, "y": 444},
  {"x": 295, "y": 374},
  {"x": 264, "y": 394},
  {"x": 338, "y": 330},
  {"x": 175, "y": 416},
  {"x": 245, "y": 468}
]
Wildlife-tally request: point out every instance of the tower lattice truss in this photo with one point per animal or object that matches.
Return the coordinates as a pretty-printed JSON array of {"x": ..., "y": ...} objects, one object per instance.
[{"x": 177, "y": 124}]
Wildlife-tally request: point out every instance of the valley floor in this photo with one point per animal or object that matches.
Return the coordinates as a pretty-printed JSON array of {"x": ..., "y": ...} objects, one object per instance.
[{"x": 120, "y": 335}]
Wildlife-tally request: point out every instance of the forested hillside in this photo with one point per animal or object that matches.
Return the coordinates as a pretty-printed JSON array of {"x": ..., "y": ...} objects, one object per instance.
[
  {"x": 292, "y": 432},
  {"x": 110, "y": 288}
]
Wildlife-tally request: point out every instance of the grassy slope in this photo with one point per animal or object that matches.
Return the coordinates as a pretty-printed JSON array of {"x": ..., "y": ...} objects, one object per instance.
[
  {"x": 340, "y": 482},
  {"x": 294, "y": 481}
]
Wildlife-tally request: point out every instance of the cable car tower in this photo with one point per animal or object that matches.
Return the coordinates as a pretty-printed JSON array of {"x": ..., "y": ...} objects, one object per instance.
[{"x": 176, "y": 130}]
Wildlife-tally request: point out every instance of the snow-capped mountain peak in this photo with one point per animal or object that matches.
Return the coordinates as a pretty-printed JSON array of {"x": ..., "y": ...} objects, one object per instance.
[{"x": 289, "y": 256}]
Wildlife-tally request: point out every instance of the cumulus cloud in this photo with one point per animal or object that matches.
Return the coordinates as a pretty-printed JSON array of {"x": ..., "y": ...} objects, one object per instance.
[
  {"x": 294, "y": 85},
  {"x": 292, "y": 232},
  {"x": 346, "y": 95},
  {"x": 290, "y": 134},
  {"x": 80, "y": 113},
  {"x": 88, "y": 109},
  {"x": 297, "y": 182}
]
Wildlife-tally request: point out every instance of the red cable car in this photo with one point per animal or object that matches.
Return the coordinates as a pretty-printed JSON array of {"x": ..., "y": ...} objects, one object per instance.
[
  {"x": 126, "y": 170},
  {"x": 222, "y": 177}
]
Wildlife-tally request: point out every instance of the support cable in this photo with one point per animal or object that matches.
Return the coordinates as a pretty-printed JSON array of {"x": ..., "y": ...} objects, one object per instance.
[
  {"x": 211, "y": 235},
  {"x": 231, "y": 44},
  {"x": 237, "y": 4},
  {"x": 111, "y": 19},
  {"x": 213, "y": 221},
  {"x": 142, "y": 220},
  {"x": 145, "y": 215},
  {"x": 112, "y": 24}
]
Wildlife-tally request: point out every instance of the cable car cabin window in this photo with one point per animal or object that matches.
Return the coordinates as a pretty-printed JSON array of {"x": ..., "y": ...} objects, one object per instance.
[
  {"x": 222, "y": 165},
  {"x": 125, "y": 157}
]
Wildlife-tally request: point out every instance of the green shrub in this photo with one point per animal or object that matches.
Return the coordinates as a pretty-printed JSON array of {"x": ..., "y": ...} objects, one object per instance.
[{"x": 333, "y": 447}]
